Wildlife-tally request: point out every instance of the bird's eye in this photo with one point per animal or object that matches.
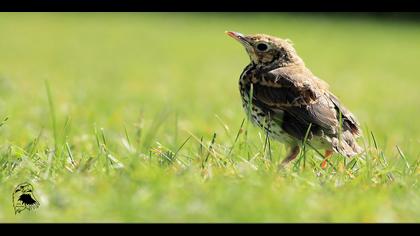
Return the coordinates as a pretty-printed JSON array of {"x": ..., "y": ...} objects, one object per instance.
[{"x": 262, "y": 47}]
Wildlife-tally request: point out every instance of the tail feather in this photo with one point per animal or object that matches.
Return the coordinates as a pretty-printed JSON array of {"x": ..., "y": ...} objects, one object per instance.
[{"x": 347, "y": 146}]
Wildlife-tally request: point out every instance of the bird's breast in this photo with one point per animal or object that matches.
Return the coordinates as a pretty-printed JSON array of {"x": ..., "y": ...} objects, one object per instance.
[{"x": 268, "y": 120}]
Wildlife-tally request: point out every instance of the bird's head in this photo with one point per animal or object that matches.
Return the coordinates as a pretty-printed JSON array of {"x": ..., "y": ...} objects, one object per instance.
[{"x": 266, "y": 50}]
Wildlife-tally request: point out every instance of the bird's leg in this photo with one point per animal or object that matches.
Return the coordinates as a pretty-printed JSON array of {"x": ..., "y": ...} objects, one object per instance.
[
  {"x": 292, "y": 155},
  {"x": 327, "y": 154}
]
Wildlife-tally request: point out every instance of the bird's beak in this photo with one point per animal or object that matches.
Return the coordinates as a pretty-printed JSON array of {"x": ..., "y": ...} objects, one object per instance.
[{"x": 238, "y": 36}]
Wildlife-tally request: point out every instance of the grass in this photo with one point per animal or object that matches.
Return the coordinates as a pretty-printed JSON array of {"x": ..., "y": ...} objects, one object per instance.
[{"x": 136, "y": 117}]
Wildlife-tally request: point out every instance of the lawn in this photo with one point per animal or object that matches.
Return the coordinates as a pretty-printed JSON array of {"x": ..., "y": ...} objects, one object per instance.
[{"x": 136, "y": 117}]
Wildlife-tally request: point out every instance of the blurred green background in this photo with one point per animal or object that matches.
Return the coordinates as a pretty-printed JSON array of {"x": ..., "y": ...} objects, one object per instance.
[{"x": 106, "y": 70}]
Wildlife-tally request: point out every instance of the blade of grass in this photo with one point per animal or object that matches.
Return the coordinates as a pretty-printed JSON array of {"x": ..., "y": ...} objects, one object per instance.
[
  {"x": 209, "y": 150},
  {"x": 249, "y": 115},
  {"x": 70, "y": 154},
  {"x": 236, "y": 138},
  {"x": 407, "y": 164},
  {"x": 4, "y": 121},
  {"x": 52, "y": 115},
  {"x": 267, "y": 143},
  {"x": 200, "y": 141},
  {"x": 200, "y": 148},
  {"x": 35, "y": 143},
  {"x": 127, "y": 137},
  {"x": 303, "y": 153},
  {"x": 382, "y": 159},
  {"x": 103, "y": 137},
  {"x": 224, "y": 125},
  {"x": 182, "y": 145}
]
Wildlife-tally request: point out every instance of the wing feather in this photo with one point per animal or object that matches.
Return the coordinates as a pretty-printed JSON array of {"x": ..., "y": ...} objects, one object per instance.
[{"x": 304, "y": 100}]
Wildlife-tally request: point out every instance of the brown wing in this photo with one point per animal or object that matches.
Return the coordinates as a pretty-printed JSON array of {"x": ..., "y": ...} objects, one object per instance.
[
  {"x": 300, "y": 97},
  {"x": 349, "y": 120},
  {"x": 288, "y": 86}
]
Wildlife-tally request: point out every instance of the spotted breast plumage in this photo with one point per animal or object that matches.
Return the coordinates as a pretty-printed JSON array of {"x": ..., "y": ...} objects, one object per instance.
[{"x": 284, "y": 98}]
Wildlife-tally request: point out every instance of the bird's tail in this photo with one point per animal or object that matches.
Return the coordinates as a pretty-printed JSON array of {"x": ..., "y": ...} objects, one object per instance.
[{"x": 346, "y": 144}]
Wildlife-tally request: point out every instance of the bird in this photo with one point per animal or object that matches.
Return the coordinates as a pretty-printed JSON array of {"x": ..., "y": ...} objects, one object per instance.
[
  {"x": 293, "y": 106},
  {"x": 24, "y": 198}
]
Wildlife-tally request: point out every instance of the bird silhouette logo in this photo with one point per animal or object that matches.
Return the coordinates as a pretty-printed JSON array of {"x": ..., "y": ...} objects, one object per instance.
[{"x": 24, "y": 198}]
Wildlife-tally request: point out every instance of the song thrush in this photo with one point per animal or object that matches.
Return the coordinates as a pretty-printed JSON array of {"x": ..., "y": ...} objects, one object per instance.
[{"x": 290, "y": 103}]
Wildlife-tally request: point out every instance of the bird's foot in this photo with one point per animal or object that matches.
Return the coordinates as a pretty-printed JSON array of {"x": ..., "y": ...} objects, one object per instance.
[
  {"x": 327, "y": 155},
  {"x": 292, "y": 155}
]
